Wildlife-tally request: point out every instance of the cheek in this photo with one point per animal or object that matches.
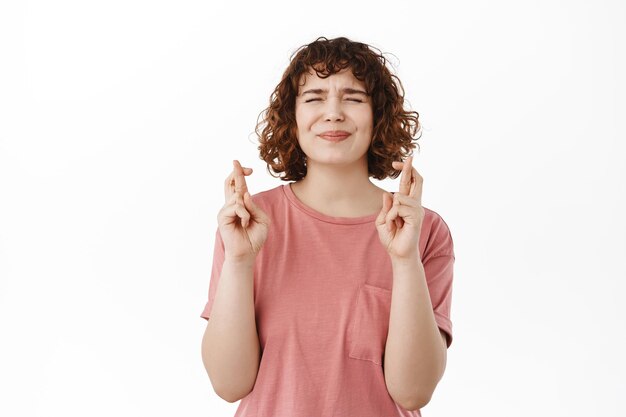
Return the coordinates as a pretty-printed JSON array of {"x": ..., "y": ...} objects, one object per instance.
[
  {"x": 303, "y": 122},
  {"x": 366, "y": 123},
  {"x": 300, "y": 116}
]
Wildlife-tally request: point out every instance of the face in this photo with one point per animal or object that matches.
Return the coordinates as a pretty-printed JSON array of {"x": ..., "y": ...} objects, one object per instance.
[{"x": 336, "y": 103}]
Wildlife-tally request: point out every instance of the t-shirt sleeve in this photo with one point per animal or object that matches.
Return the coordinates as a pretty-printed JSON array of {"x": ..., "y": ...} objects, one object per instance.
[
  {"x": 216, "y": 270},
  {"x": 438, "y": 266}
]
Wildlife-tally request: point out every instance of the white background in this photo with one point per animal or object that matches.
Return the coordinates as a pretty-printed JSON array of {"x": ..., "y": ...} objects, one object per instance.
[{"x": 119, "y": 121}]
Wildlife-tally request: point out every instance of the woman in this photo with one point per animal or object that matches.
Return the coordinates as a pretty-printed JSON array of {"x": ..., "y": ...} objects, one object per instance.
[{"x": 334, "y": 294}]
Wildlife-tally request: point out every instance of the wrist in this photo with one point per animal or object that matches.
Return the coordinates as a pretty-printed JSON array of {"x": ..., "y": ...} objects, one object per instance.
[
  {"x": 405, "y": 261},
  {"x": 240, "y": 261}
]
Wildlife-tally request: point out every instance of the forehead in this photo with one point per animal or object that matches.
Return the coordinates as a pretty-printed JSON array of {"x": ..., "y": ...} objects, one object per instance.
[{"x": 344, "y": 78}]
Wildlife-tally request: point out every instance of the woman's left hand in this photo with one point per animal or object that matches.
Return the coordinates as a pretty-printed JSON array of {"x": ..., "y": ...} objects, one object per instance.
[{"x": 400, "y": 220}]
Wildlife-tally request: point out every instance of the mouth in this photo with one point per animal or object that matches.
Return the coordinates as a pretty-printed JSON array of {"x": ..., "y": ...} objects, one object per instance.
[{"x": 334, "y": 137}]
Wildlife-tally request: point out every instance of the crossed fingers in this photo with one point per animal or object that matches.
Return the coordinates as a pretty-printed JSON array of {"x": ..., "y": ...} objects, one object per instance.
[
  {"x": 235, "y": 183},
  {"x": 410, "y": 180}
]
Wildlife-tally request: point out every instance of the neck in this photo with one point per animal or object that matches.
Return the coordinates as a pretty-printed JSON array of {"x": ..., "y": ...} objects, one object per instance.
[{"x": 338, "y": 188}]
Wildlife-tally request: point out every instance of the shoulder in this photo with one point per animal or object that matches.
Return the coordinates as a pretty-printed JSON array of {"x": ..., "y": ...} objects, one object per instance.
[
  {"x": 271, "y": 201},
  {"x": 439, "y": 240},
  {"x": 268, "y": 196},
  {"x": 435, "y": 220}
]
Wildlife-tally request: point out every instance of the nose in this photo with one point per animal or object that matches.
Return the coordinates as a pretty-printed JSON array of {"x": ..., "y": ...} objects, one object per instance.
[{"x": 333, "y": 110}]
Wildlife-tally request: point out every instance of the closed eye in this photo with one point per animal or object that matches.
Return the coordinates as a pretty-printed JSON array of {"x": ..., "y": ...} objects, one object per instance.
[{"x": 356, "y": 100}]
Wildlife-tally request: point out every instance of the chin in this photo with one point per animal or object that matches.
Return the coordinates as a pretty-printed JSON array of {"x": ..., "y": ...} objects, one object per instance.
[{"x": 335, "y": 159}]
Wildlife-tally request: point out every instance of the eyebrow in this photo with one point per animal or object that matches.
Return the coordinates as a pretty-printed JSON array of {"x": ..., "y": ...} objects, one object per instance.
[{"x": 344, "y": 90}]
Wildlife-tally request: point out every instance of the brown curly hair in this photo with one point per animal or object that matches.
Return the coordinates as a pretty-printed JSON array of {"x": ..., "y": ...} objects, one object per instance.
[{"x": 393, "y": 128}]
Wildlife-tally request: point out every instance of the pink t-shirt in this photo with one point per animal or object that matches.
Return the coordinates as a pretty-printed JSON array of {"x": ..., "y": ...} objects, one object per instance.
[{"x": 322, "y": 296}]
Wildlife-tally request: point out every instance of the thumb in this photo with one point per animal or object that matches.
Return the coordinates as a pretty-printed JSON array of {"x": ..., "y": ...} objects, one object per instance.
[
  {"x": 251, "y": 206},
  {"x": 387, "y": 204}
]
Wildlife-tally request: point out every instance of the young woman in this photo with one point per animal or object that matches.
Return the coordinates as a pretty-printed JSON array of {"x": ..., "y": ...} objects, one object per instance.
[{"x": 330, "y": 296}]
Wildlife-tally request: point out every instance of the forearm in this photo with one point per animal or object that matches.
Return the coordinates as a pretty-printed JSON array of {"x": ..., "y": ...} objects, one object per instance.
[
  {"x": 230, "y": 347},
  {"x": 414, "y": 353}
]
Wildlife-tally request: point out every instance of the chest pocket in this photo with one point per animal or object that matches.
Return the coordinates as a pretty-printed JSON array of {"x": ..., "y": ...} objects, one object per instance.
[{"x": 370, "y": 324}]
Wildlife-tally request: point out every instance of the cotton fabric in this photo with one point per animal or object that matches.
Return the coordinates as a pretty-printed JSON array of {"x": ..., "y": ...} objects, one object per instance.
[{"x": 322, "y": 297}]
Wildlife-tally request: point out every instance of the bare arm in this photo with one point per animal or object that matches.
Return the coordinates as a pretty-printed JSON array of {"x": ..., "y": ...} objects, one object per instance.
[
  {"x": 416, "y": 350},
  {"x": 231, "y": 350},
  {"x": 230, "y": 346}
]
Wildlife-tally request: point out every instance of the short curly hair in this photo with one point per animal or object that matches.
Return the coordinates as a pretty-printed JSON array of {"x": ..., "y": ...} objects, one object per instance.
[{"x": 394, "y": 128}]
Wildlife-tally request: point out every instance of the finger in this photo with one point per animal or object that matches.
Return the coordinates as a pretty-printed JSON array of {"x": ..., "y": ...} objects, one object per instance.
[
  {"x": 230, "y": 178},
  {"x": 233, "y": 199},
  {"x": 407, "y": 208},
  {"x": 416, "y": 186},
  {"x": 387, "y": 203},
  {"x": 395, "y": 219},
  {"x": 390, "y": 218},
  {"x": 405, "y": 200},
  {"x": 409, "y": 213},
  {"x": 396, "y": 201},
  {"x": 229, "y": 187},
  {"x": 236, "y": 177},
  {"x": 229, "y": 182},
  {"x": 241, "y": 211},
  {"x": 240, "y": 181},
  {"x": 254, "y": 210},
  {"x": 405, "y": 178},
  {"x": 235, "y": 210}
]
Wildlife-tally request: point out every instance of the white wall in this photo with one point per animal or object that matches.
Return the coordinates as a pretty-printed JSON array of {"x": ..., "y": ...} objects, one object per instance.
[{"x": 118, "y": 124}]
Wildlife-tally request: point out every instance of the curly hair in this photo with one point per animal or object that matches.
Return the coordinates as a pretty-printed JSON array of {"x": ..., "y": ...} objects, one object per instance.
[{"x": 394, "y": 128}]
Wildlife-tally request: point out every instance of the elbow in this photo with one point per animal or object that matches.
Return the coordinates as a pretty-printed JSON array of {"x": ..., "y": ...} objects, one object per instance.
[
  {"x": 230, "y": 395},
  {"x": 226, "y": 396},
  {"x": 411, "y": 396},
  {"x": 414, "y": 403},
  {"x": 227, "y": 391},
  {"x": 411, "y": 401},
  {"x": 233, "y": 391}
]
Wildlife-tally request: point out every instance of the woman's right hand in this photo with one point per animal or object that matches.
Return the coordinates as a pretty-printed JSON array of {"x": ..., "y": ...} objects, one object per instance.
[{"x": 242, "y": 224}]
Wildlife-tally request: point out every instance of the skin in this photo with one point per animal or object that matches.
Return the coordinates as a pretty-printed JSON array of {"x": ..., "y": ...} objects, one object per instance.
[
  {"x": 399, "y": 222},
  {"x": 415, "y": 354},
  {"x": 354, "y": 195},
  {"x": 242, "y": 224}
]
